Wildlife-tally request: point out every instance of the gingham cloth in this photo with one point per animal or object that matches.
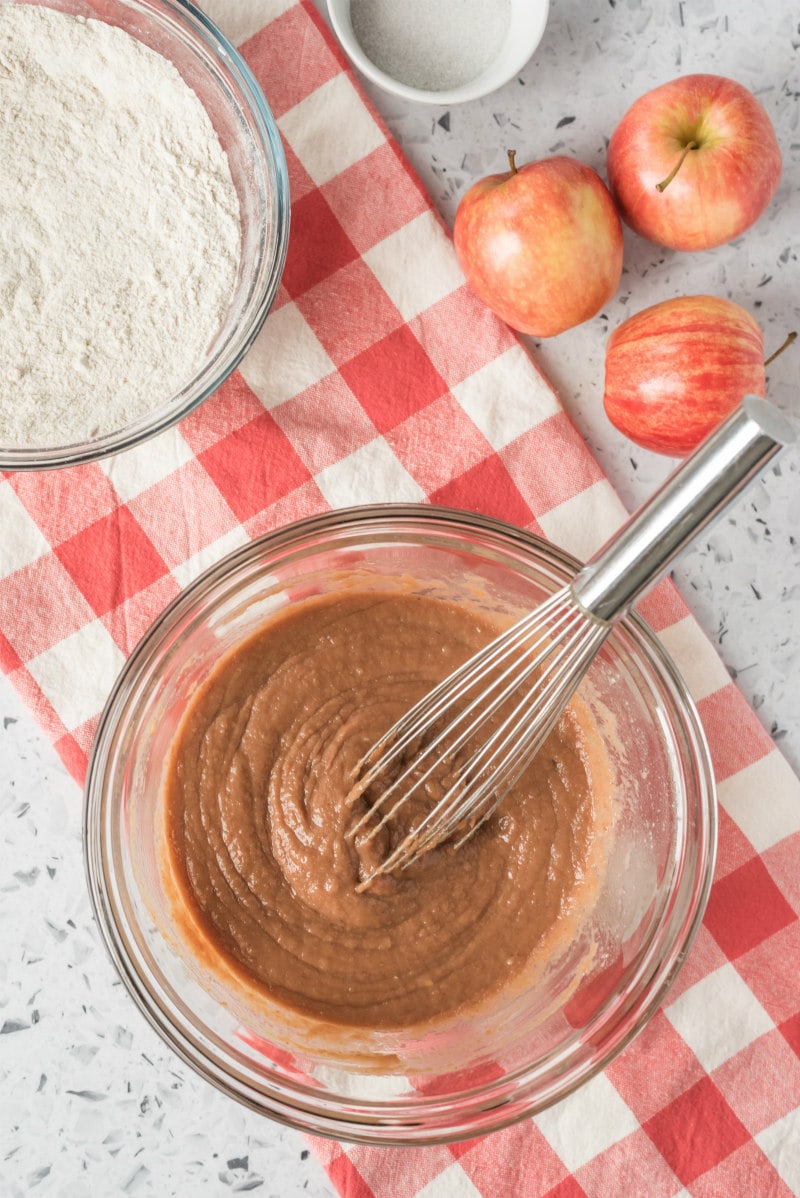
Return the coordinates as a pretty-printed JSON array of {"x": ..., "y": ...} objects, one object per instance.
[{"x": 379, "y": 377}]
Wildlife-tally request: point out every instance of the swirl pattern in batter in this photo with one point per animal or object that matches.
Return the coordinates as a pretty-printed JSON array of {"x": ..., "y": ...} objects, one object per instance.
[{"x": 256, "y": 823}]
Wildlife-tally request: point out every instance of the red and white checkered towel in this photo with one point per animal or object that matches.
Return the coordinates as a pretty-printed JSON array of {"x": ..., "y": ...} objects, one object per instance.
[{"x": 379, "y": 377}]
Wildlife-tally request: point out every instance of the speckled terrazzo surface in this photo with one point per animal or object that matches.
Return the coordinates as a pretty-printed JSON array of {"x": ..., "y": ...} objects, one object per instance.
[{"x": 90, "y": 1102}]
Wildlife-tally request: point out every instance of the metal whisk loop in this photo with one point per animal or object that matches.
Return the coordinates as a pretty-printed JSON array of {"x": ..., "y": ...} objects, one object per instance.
[
  {"x": 430, "y": 707},
  {"x": 497, "y": 765},
  {"x": 486, "y": 757},
  {"x": 560, "y": 688},
  {"x": 506, "y": 754},
  {"x": 424, "y": 715},
  {"x": 552, "y": 648}
]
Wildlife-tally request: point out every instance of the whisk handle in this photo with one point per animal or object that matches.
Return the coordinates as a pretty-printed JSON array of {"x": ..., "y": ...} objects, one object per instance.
[{"x": 693, "y": 495}]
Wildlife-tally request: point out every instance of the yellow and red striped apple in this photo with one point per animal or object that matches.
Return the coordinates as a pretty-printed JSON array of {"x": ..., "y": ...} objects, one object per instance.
[
  {"x": 676, "y": 370},
  {"x": 541, "y": 244},
  {"x": 694, "y": 163}
]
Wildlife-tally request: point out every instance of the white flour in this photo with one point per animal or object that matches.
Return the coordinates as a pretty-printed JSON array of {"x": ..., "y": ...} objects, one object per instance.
[{"x": 119, "y": 228}]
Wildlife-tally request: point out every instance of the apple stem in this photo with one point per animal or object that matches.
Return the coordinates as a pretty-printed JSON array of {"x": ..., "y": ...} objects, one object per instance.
[
  {"x": 692, "y": 145},
  {"x": 511, "y": 156},
  {"x": 792, "y": 337}
]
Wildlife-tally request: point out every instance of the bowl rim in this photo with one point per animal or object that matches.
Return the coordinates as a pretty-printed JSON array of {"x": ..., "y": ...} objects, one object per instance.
[
  {"x": 196, "y": 26},
  {"x": 386, "y": 1122}
]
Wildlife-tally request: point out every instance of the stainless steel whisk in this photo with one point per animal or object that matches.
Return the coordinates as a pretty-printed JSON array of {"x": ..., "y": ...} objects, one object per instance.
[{"x": 551, "y": 649}]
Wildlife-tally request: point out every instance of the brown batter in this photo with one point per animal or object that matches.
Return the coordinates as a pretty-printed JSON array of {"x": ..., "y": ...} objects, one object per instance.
[{"x": 256, "y": 823}]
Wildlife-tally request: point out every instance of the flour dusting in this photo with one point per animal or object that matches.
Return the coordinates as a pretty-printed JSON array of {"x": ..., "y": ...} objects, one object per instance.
[{"x": 119, "y": 228}]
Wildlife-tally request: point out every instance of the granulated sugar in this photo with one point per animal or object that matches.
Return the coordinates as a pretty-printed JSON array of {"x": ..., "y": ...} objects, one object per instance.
[
  {"x": 431, "y": 44},
  {"x": 119, "y": 228}
]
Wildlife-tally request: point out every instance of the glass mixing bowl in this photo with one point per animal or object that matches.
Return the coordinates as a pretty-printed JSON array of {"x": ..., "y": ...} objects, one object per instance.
[
  {"x": 235, "y": 104},
  {"x": 485, "y": 1072}
]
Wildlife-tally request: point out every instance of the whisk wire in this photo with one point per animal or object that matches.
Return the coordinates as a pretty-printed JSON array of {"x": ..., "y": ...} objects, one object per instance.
[
  {"x": 449, "y": 739},
  {"x": 428, "y": 709},
  {"x": 492, "y": 748},
  {"x": 500, "y": 768},
  {"x": 561, "y": 689}
]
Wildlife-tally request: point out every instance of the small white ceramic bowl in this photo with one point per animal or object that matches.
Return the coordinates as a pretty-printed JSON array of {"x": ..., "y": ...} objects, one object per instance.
[{"x": 525, "y": 31}]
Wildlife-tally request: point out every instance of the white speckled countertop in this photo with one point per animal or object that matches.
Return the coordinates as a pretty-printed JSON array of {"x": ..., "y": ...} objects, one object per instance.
[{"x": 91, "y": 1104}]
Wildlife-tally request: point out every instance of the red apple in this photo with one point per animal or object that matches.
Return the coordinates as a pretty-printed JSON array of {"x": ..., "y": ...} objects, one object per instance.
[
  {"x": 676, "y": 370},
  {"x": 541, "y": 245},
  {"x": 694, "y": 163}
]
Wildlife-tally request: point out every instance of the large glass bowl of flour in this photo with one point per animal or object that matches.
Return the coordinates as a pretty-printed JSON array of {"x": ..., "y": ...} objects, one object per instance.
[
  {"x": 144, "y": 226},
  {"x": 479, "y": 1069}
]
